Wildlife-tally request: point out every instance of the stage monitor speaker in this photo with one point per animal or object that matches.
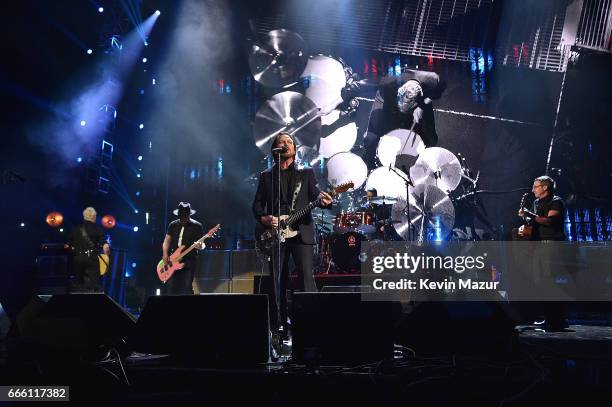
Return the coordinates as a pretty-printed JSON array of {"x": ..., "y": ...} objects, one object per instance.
[
  {"x": 341, "y": 329},
  {"x": 84, "y": 323},
  {"x": 207, "y": 329},
  {"x": 459, "y": 327},
  {"x": 75, "y": 326}
]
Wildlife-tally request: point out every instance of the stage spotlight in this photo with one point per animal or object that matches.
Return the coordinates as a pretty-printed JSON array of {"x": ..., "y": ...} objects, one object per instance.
[
  {"x": 137, "y": 193},
  {"x": 135, "y": 228},
  {"x": 139, "y": 158},
  {"x": 100, "y": 9},
  {"x": 22, "y": 224},
  {"x": 54, "y": 219},
  {"x": 62, "y": 230},
  {"x": 89, "y": 51},
  {"x": 79, "y": 159},
  {"x": 153, "y": 81},
  {"x": 135, "y": 210},
  {"x": 144, "y": 60},
  {"x": 108, "y": 221},
  {"x": 141, "y": 126},
  {"x": 83, "y": 122},
  {"x": 137, "y": 175},
  {"x": 157, "y": 12},
  {"x": 146, "y": 44},
  {"x": 134, "y": 265}
]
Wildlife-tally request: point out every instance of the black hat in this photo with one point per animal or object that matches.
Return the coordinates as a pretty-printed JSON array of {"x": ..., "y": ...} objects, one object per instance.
[{"x": 184, "y": 208}]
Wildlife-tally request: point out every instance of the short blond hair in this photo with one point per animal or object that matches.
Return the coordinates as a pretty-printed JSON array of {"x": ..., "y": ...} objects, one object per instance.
[{"x": 90, "y": 214}]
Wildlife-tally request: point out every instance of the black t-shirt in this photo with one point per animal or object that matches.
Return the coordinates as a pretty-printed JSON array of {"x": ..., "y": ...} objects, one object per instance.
[
  {"x": 555, "y": 231},
  {"x": 185, "y": 234},
  {"x": 81, "y": 244}
]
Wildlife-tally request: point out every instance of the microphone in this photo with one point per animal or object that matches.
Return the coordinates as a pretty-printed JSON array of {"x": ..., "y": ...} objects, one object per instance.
[{"x": 279, "y": 150}]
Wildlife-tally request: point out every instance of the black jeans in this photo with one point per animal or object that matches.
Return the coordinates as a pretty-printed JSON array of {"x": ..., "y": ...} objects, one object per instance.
[
  {"x": 86, "y": 270},
  {"x": 302, "y": 257},
  {"x": 181, "y": 282}
]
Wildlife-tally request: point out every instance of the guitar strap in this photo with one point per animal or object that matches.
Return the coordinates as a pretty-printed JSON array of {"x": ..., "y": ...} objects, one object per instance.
[
  {"x": 91, "y": 244},
  {"x": 295, "y": 195}
]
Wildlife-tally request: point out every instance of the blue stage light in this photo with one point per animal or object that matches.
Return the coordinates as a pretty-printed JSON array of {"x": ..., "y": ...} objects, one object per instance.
[
  {"x": 157, "y": 12},
  {"x": 135, "y": 210},
  {"x": 137, "y": 175},
  {"x": 79, "y": 159},
  {"x": 137, "y": 193},
  {"x": 135, "y": 228},
  {"x": 22, "y": 224},
  {"x": 89, "y": 51},
  {"x": 100, "y": 9},
  {"x": 141, "y": 126},
  {"x": 139, "y": 158},
  {"x": 134, "y": 265},
  {"x": 144, "y": 60},
  {"x": 83, "y": 122}
]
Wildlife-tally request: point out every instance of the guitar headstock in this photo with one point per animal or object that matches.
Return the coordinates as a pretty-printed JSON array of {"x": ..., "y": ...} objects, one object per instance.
[
  {"x": 213, "y": 230},
  {"x": 342, "y": 188}
]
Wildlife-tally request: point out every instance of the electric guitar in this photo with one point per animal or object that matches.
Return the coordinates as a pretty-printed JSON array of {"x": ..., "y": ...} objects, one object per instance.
[
  {"x": 266, "y": 236},
  {"x": 527, "y": 228},
  {"x": 165, "y": 271}
]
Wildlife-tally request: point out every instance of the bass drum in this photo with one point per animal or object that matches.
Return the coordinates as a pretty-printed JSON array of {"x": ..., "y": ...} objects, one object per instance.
[{"x": 345, "y": 250}]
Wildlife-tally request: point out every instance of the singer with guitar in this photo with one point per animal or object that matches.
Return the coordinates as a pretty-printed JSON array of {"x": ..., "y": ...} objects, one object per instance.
[
  {"x": 548, "y": 212},
  {"x": 182, "y": 232},
  {"x": 545, "y": 223},
  {"x": 293, "y": 191}
]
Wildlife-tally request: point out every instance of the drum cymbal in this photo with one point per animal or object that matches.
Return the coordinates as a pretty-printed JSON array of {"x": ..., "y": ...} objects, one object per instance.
[
  {"x": 387, "y": 183},
  {"x": 286, "y": 111},
  {"x": 438, "y": 167},
  {"x": 383, "y": 200},
  {"x": 346, "y": 167},
  {"x": 430, "y": 214},
  {"x": 399, "y": 142},
  {"x": 326, "y": 78},
  {"x": 278, "y": 59}
]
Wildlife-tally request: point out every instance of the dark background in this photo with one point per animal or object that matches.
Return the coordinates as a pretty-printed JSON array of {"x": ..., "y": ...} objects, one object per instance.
[{"x": 197, "y": 144}]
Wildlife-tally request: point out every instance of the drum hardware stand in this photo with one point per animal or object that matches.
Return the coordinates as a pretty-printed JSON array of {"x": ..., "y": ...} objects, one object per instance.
[{"x": 409, "y": 184}]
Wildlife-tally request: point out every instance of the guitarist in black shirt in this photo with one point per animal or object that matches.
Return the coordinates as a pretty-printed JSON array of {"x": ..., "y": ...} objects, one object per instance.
[
  {"x": 297, "y": 189},
  {"x": 87, "y": 240}
]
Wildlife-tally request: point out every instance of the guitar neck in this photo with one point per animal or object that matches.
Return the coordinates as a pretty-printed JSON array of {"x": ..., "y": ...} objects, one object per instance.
[
  {"x": 297, "y": 215},
  {"x": 193, "y": 246}
]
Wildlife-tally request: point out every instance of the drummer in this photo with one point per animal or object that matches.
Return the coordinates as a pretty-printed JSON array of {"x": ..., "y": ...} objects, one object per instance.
[
  {"x": 381, "y": 214},
  {"x": 403, "y": 102}
]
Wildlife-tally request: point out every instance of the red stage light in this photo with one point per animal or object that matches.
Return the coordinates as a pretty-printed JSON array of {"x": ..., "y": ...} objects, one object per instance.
[
  {"x": 54, "y": 219},
  {"x": 109, "y": 221}
]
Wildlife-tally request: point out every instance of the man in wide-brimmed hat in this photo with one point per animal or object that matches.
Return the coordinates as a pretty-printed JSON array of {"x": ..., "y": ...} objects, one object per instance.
[{"x": 182, "y": 232}]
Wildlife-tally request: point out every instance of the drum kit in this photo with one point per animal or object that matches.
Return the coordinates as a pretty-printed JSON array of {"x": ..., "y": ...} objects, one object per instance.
[{"x": 409, "y": 194}]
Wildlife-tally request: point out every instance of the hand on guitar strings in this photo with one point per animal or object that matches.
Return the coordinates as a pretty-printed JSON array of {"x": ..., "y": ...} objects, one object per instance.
[{"x": 269, "y": 221}]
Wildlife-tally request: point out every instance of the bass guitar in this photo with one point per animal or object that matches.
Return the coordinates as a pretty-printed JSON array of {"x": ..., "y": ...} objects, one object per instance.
[{"x": 166, "y": 270}]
